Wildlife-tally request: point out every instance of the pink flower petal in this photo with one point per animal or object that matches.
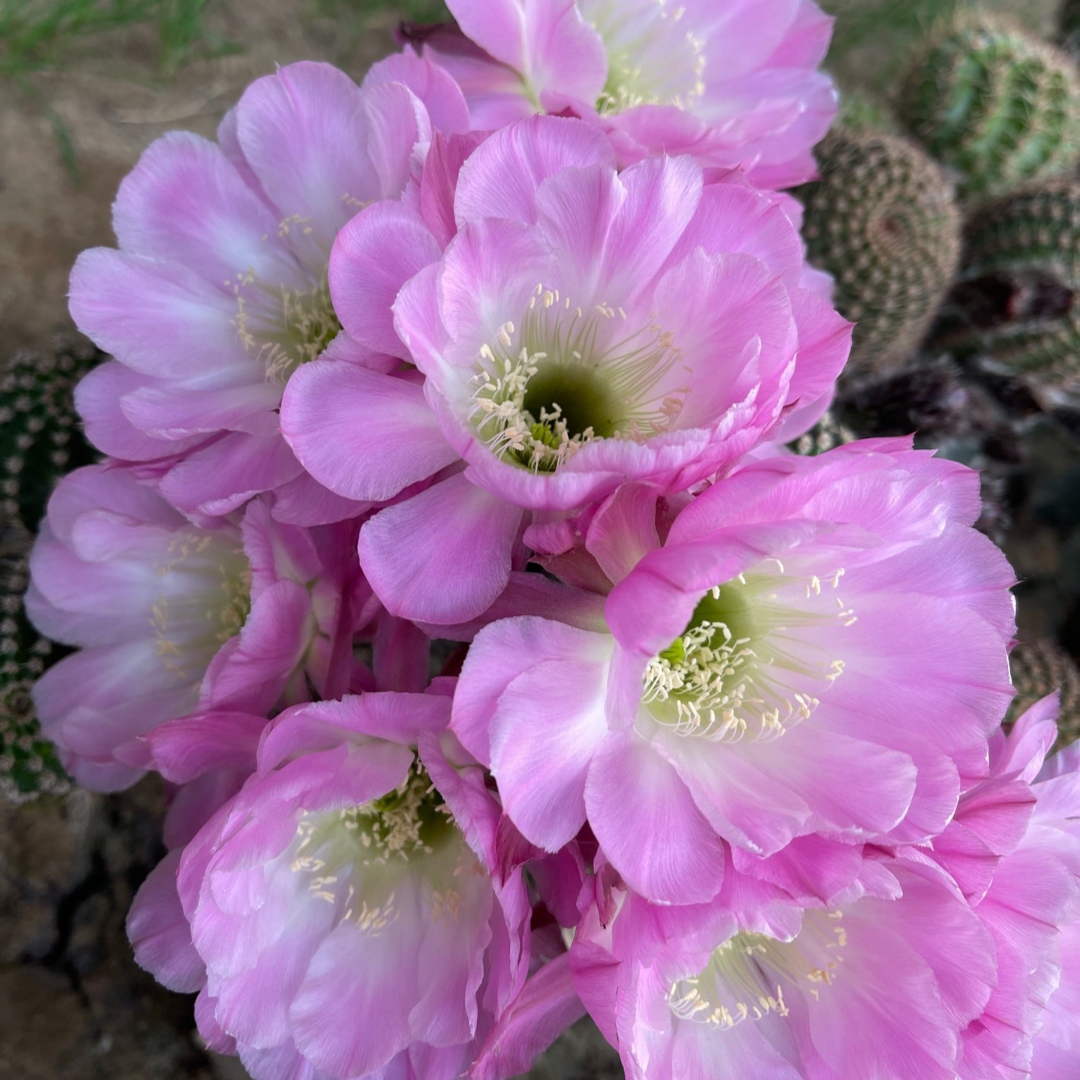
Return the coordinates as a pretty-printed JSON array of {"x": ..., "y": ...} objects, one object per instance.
[
  {"x": 364, "y": 435},
  {"x": 442, "y": 556},
  {"x": 648, "y": 825},
  {"x": 374, "y": 255},
  {"x": 547, "y": 725}
]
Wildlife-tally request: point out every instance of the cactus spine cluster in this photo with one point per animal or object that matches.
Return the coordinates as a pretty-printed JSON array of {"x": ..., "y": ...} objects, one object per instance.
[
  {"x": 1039, "y": 668},
  {"x": 28, "y": 761},
  {"x": 995, "y": 103},
  {"x": 883, "y": 221},
  {"x": 827, "y": 434},
  {"x": 40, "y": 440},
  {"x": 1017, "y": 298}
]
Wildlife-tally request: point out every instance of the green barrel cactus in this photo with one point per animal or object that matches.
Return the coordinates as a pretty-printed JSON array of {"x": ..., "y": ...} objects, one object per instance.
[
  {"x": 1017, "y": 296},
  {"x": 28, "y": 763},
  {"x": 884, "y": 222},
  {"x": 40, "y": 440},
  {"x": 40, "y": 437},
  {"x": 1039, "y": 668},
  {"x": 995, "y": 103}
]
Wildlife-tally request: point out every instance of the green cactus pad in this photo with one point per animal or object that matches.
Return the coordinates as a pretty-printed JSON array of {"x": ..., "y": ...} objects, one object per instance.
[
  {"x": 40, "y": 436},
  {"x": 883, "y": 221},
  {"x": 28, "y": 763},
  {"x": 1017, "y": 296},
  {"x": 1039, "y": 668},
  {"x": 995, "y": 103}
]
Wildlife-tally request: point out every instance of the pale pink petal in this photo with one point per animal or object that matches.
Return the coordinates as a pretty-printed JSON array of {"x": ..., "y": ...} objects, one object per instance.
[
  {"x": 160, "y": 934},
  {"x": 648, "y": 825},
  {"x": 547, "y": 725},
  {"x": 185, "y": 202},
  {"x": 366, "y": 436},
  {"x": 501, "y": 179},
  {"x": 442, "y": 556},
  {"x": 374, "y": 255}
]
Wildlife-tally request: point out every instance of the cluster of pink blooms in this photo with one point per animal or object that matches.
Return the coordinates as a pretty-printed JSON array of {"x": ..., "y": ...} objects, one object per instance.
[{"x": 501, "y": 348}]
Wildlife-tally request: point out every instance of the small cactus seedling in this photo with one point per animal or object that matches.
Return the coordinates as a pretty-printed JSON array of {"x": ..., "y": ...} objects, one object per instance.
[
  {"x": 883, "y": 221},
  {"x": 1039, "y": 668},
  {"x": 1017, "y": 297},
  {"x": 28, "y": 763},
  {"x": 40, "y": 437},
  {"x": 995, "y": 103}
]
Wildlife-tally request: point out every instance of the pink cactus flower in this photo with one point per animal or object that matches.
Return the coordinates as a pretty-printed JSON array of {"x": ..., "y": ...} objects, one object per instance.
[
  {"x": 169, "y": 617},
  {"x": 731, "y": 82},
  {"x": 582, "y": 329},
  {"x": 818, "y": 646},
  {"x": 1057, "y": 1046},
  {"x": 879, "y": 985},
  {"x": 1024, "y": 815},
  {"x": 345, "y": 914},
  {"x": 218, "y": 292}
]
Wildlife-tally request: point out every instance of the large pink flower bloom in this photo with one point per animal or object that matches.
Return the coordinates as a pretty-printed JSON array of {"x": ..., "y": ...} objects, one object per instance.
[
  {"x": 732, "y": 82},
  {"x": 875, "y": 985},
  {"x": 343, "y": 914},
  {"x": 1057, "y": 820},
  {"x": 168, "y": 616},
  {"x": 218, "y": 291},
  {"x": 818, "y": 646},
  {"x": 583, "y": 328},
  {"x": 1025, "y": 815}
]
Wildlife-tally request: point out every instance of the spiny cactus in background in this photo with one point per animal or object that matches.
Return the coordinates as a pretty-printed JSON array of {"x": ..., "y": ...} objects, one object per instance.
[
  {"x": 1039, "y": 668},
  {"x": 883, "y": 221},
  {"x": 28, "y": 763},
  {"x": 947, "y": 411},
  {"x": 827, "y": 434},
  {"x": 863, "y": 113},
  {"x": 994, "y": 102},
  {"x": 1068, "y": 34},
  {"x": 40, "y": 438},
  {"x": 1017, "y": 296}
]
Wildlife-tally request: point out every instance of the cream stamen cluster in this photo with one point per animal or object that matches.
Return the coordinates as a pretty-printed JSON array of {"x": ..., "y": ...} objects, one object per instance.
[
  {"x": 653, "y": 59},
  {"x": 338, "y": 850},
  {"x": 724, "y": 678},
  {"x": 192, "y": 622},
  {"x": 562, "y": 379},
  {"x": 283, "y": 327},
  {"x": 746, "y": 975}
]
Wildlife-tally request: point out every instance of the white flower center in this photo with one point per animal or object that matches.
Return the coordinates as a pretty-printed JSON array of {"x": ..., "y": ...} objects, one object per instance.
[
  {"x": 654, "y": 58},
  {"x": 204, "y": 600},
  {"x": 744, "y": 665},
  {"x": 356, "y": 858},
  {"x": 565, "y": 377},
  {"x": 284, "y": 328},
  {"x": 749, "y": 974}
]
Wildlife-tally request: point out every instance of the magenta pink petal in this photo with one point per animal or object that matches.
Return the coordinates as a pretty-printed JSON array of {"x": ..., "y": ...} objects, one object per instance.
[
  {"x": 648, "y": 825},
  {"x": 159, "y": 933},
  {"x": 185, "y": 202},
  {"x": 442, "y": 556},
  {"x": 502, "y": 178},
  {"x": 546, "y": 727},
  {"x": 366, "y": 436},
  {"x": 374, "y": 255},
  {"x": 225, "y": 474}
]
